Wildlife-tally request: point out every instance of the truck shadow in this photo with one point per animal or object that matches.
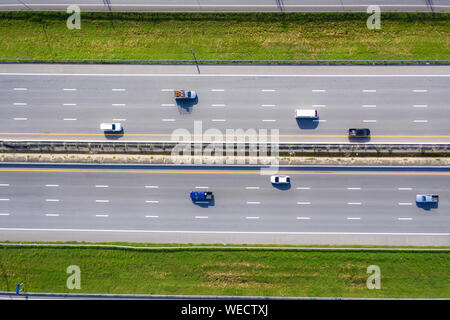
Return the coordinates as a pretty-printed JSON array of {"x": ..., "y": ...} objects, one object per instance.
[
  {"x": 428, "y": 206},
  {"x": 307, "y": 123},
  {"x": 282, "y": 186},
  {"x": 186, "y": 105},
  {"x": 205, "y": 203},
  {"x": 111, "y": 135}
]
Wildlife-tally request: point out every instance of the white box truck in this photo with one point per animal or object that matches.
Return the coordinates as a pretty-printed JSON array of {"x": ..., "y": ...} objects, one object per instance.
[{"x": 306, "y": 114}]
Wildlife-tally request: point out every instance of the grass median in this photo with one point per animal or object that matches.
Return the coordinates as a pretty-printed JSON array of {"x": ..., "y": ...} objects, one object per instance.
[
  {"x": 244, "y": 36},
  {"x": 208, "y": 271}
]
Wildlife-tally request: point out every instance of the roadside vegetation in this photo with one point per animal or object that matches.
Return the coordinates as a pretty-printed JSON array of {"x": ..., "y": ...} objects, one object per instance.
[
  {"x": 248, "y": 36},
  {"x": 212, "y": 271}
]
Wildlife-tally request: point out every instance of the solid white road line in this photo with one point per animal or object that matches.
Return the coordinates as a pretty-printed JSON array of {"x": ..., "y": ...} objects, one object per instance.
[
  {"x": 217, "y": 90},
  {"x": 4, "y": 184},
  {"x": 152, "y": 187},
  {"x": 152, "y": 216},
  {"x": 403, "y": 189},
  {"x": 318, "y": 90},
  {"x": 303, "y": 188},
  {"x": 369, "y": 120},
  {"x": 101, "y": 186},
  {"x": 168, "y": 105},
  {"x": 303, "y": 202},
  {"x": 20, "y": 89},
  {"x": 102, "y": 215},
  {"x": 354, "y": 203},
  {"x": 70, "y": 119},
  {"x": 369, "y": 105},
  {"x": 353, "y": 218},
  {"x": 420, "y": 90},
  {"x": 267, "y": 90},
  {"x": 190, "y": 75},
  {"x": 253, "y": 202},
  {"x": 303, "y": 218},
  {"x": 21, "y": 119},
  {"x": 407, "y": 219},
  {"x": 405, "y": 204},
  {"x": 118, "y": 89},
  {"x": 52, "y": 185},
  {"x": 217, "y": 105},
  {"x": 269, "y": 120},
  {"x": 118, "y": 104},
  {"x": 252, "y": 188},
  {"x": 151, "y": 201},
  {"x": 4, "y": 214},
  {"x": 4, "y": 199},
  {"x": 69, "y": 89},
  {"x": 353, "y": 188},
  {"x": 20, "y": 103},
  {"x": 165, "y": 90},
  {"x": 268, "y": 105},
  {"x": 69, "y": 104},
  {"x": 52, "y": 200},
  {"x": 200, "y": 187},
  {"x": 420, "y": 121},
  {"x": 172, "y": 120},
  {"x": 52, "y": 214},
  {"x": 369, "y": 90},
  {"x": 420, "y": 106},
  {"x": 102, "y": 201},
  {"x": 218, "y": 120},
  {"x": 252, "y": 218},
  {"x": 201, "y": 217}
]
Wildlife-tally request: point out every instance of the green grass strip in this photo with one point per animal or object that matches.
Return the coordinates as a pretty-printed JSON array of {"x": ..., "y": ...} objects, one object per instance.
[
  {"x": 212, "y": 271},
  {"x": 247, "y": 36}
]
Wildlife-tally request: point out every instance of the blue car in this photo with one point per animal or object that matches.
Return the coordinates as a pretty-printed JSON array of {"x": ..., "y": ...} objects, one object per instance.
[{"x": 201, "y": 195}]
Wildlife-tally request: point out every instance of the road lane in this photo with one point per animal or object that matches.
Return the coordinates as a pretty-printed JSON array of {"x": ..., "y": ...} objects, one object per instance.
[
  {"x": 384, "y": 102},
  {"x": 231, "y": 5},
  {"x": 126, "y": 204}
]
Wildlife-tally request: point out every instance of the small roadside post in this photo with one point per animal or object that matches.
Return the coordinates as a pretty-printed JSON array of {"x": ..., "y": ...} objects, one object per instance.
[{"x": 18, "y": 288}]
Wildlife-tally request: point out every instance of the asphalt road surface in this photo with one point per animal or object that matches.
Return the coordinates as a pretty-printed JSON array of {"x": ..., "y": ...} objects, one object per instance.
[
  {"x": 231, "y": 5},
  {"x": 68, "y": 102},
  {"x": 334, "y": 202}
]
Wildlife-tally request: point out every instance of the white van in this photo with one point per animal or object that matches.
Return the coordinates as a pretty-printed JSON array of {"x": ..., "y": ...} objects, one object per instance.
[
  {"x": 115, "y": 127},
  {"x": 306, "y": 114}
]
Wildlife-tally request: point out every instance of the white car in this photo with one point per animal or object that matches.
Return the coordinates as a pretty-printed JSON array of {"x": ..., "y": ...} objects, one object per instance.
[
  {"x": 115, "y": 127},
  {"x": 277, "y": 179}
]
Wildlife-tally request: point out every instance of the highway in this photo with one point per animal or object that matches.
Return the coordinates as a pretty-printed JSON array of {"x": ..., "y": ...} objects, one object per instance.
[
  {"x": 106, "y": 200},
  {"x": 231, "y": 5},
  {"x": 400, "y": 104}
]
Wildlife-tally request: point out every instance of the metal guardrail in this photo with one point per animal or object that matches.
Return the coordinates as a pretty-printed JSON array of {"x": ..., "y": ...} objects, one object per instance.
[{"x": 219, "y": 61}]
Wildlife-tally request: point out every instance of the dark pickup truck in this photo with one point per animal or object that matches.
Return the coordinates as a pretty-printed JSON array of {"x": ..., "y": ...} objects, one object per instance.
[{"x": 358, "y": 133}]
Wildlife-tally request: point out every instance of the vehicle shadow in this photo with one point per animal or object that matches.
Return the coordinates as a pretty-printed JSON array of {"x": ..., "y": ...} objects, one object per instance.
[
  {"x": 428, "y": 206},
  {"x": 282, "y": 186},
  {"x": 358, "y": 139},
  {"x": 186, "y": 105},
  {"x": 307, "y": 123},
  {"x": 205, "y": 203},
  {"x": 111, "y": 135}
]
